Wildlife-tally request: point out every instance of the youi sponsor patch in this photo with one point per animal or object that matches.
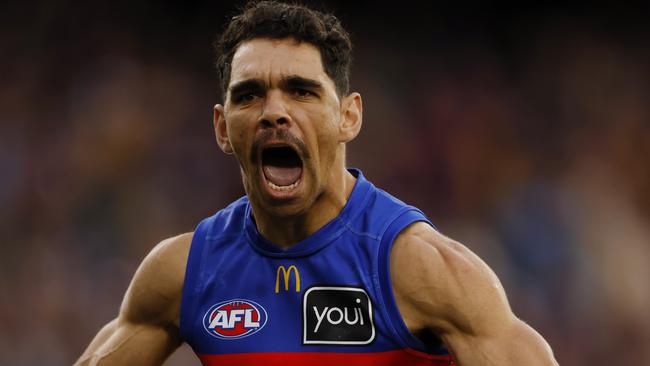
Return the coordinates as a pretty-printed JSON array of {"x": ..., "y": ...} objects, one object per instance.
[
  {"x": 234, "y": 319},
  {"x": 337, "y": 315}
]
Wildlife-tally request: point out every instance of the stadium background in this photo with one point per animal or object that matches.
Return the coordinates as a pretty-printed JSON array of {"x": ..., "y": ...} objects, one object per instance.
[{"x": 524, "y": 134}]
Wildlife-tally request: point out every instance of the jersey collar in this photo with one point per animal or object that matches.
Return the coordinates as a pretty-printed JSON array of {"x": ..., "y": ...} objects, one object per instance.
[{"x": 321, "y": 238}]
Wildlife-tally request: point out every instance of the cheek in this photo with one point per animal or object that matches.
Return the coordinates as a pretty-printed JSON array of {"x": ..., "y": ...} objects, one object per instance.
[
  {"x": 237, "y": 132},
  {"x": 327, "y": 140},
  {"x": 236, "y": 138}
]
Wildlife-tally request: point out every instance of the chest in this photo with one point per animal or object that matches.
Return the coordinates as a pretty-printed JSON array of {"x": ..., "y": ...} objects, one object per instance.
[{"x": 248, "y": 302}]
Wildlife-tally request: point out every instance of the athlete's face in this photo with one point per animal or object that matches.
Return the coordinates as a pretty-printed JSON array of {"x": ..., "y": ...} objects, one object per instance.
[{"x": 285, "y": 123}]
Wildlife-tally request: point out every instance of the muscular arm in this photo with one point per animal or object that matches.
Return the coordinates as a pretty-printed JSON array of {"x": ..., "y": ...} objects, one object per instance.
[
  {"x": 146, "y": 329},
  {"x": 443, "y": 287}
]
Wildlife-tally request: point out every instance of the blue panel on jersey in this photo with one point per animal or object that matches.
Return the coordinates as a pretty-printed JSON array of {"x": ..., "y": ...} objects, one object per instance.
[{"x": 328, "y": 293}]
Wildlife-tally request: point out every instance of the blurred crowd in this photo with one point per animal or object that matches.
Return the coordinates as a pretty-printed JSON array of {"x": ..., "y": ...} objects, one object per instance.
[{"x": 526, "y": 137}]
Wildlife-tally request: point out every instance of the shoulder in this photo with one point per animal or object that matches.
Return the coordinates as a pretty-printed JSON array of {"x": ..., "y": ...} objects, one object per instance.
[
  {"x": 440, "y": 284},
  {"x": 154, "y": 294},
  {"x": 383, "y": 214},
  {"x": 228, "y": 219}
]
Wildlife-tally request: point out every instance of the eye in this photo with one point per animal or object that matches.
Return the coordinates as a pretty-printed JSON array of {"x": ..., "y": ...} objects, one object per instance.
[
  {"x": 248, "y": 97},
  {"x": 303, "y": 93},
  {"x": 245, "y": 97}
]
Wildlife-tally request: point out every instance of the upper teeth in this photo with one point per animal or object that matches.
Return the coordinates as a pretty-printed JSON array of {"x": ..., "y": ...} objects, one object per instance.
[{"x": 283, "y": 188}]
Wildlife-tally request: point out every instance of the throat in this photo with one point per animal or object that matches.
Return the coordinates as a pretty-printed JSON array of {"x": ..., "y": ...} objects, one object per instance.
[
  {"x": 287, "y": 228},
  {"x": 284, "y": 232}
]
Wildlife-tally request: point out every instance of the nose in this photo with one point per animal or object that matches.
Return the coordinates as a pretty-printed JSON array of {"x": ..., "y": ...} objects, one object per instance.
[{"x": 274, "y": 110}]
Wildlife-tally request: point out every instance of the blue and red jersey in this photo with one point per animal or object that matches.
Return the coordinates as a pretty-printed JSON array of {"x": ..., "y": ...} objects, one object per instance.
[{"x": 325, "y": 301}]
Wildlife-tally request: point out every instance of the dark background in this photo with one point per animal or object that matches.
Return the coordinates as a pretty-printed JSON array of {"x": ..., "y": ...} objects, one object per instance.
[{"x": 524, "y": 133}]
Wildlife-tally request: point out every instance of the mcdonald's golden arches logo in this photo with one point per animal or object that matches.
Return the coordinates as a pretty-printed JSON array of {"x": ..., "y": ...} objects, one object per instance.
[{"x": 286, "y": 275}]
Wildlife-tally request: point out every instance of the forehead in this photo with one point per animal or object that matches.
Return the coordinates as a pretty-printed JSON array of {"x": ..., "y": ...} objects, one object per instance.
[{"x": 269, "y": 59}]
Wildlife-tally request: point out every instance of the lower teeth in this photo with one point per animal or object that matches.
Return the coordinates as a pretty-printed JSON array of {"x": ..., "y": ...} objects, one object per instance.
[{"x": 283, "y": 188}]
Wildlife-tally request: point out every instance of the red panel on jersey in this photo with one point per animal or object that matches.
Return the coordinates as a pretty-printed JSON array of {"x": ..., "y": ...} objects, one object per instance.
[{"x": 389, "y": 358}]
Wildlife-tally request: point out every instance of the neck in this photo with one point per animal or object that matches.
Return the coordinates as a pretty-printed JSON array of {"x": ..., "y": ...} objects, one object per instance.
[{"x": 286, "y": 231}]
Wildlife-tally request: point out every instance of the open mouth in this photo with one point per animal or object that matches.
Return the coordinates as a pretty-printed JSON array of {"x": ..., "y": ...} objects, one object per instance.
[{"x": 282, "y": 167}]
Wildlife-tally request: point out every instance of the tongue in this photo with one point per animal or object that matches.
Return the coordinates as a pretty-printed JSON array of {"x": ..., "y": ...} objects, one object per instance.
[{"x": 282, "y": 176}]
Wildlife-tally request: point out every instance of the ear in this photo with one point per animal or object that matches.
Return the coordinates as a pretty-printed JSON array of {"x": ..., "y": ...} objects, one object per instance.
[
  {"x": 351, "y": 117},
  {"x": 221, "y": 130}
]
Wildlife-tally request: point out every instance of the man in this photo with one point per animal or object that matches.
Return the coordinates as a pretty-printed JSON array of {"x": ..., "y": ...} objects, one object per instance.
[{"x": 314, "y": 266}]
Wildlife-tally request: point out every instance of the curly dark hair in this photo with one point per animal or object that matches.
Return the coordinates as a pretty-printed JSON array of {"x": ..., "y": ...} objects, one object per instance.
[{"x": 276, "y": 20}]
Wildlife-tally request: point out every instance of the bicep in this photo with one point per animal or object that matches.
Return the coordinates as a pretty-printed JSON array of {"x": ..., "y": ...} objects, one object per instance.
[
  {"x": 436, "y": 284},
  {"x": 480, "y": 325},
  {"x": 452, "y": 292},
  {"x": 146, "y": 330}
]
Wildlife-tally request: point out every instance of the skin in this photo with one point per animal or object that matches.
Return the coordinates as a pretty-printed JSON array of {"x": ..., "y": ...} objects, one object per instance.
[
  {"x": 314, "y": 115},
  {"x": 440, "y": 285},
  {"x": 146, "y": 330}
]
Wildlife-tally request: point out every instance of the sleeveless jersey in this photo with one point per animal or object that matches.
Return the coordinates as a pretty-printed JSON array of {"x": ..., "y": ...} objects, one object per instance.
[{"x": 325, "y": 301}]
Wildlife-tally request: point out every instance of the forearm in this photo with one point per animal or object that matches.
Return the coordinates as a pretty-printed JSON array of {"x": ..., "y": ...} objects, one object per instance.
[
  {"x": 129, "y": 344},
  {"x": 520, "y": 345},
  {"x": 530, "y": 348},
  {"x": 102, "y": 336}
]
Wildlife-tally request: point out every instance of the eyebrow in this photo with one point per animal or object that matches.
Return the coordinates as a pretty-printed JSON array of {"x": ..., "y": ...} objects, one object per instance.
[
  {"x": 246, "y": 86},
  {"x": 299, "y": 82},
  {"x": 287, "y": 82}
]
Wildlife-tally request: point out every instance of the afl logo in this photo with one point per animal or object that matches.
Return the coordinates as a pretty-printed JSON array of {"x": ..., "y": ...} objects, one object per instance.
[{"x": 234, "y": 319}]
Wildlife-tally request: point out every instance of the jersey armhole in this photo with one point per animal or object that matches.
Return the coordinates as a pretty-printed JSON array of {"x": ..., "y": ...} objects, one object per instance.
[
  {"x": 401, "y": 221},
  {"x": 191, "y": 285}
]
